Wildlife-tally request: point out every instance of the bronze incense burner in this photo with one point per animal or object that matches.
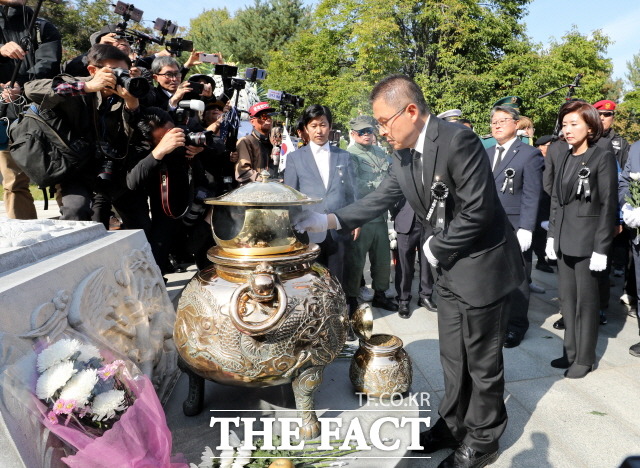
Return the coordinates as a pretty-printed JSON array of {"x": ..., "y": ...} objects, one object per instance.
[{"x": 264, "y": 314}]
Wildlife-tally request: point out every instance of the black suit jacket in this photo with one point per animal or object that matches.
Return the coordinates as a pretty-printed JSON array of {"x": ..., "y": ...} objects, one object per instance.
[
  {"x": 581, "y": 226},
  {"x": 478, "y": 240},
  {"x": 521, "y": 206},
  {"x": 556, "y": 150}
]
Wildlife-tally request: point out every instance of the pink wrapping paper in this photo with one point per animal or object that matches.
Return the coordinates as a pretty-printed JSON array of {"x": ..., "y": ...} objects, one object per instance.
[{"x": 140, "y": 439}]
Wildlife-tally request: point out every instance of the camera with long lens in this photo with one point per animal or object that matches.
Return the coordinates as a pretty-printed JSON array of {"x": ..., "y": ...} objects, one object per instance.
[
  {"x": 200, "y": 139},
  {"x": 109, "y": 157},
  {"x": 198, "y": 207},
  {"x": 138, "y": 87}
]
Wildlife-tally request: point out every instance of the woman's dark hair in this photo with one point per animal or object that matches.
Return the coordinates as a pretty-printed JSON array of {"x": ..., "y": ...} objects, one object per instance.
[
  {"x": 101, "y": 52},
  {"x": 152, "y": 118},
  {"x": 315, "y": 111},
  {"x": 588, "y": 113}
]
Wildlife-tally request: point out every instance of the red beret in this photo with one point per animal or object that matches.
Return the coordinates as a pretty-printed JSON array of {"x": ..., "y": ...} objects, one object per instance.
[{"x": 605, "y": 105}]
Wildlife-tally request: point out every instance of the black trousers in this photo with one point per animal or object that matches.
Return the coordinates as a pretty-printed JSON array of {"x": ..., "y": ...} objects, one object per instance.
[
  {"x": 406, "y": 261},
  {"x": 580, "y": 303},
  {"x": 333, "y": 255},
  {"x": 471, "y": 342},
  {"x": 519, "y": 301}
]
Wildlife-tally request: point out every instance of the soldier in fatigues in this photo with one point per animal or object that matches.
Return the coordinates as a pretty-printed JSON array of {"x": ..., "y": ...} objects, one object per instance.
[{"x": 370, "y": 164}]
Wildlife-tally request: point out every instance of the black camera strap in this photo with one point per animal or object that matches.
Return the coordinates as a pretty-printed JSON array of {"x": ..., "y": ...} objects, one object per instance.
[{"x": 165, "y": 192}]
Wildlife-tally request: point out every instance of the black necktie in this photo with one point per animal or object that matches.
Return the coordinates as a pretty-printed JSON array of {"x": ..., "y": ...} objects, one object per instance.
[
  {"x": 416, "y": 167},
  {"x": 499, "y": 151}
]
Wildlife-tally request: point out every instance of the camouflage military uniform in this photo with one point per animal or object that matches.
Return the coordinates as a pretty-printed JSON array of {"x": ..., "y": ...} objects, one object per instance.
[{"x": 370, "y": 166}]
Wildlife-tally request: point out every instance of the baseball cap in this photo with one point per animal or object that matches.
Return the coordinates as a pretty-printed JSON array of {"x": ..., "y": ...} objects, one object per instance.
[
  {"x": 361, "y": 122},
  {"x": 260, "y": 107}
]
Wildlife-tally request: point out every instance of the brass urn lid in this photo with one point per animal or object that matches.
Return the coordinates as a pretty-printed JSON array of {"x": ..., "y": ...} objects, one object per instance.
[{"x": 265, "y": 193}]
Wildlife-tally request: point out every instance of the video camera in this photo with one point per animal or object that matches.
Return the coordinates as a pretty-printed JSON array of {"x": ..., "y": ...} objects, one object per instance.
[
  {"x": 176, "y": 45},
  {"x": 291, "y": 100}
]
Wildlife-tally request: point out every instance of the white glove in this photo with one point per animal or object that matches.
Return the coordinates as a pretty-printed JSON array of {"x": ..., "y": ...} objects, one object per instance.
[
  {"x": 524, "y": 238},
  {"x": 310, "y": 221},
  {"x": 631, "y": 216},
  {"x": 427, "y": 252},
  {"x": 598, "y": 262},
  {"x": 545, "y": 225},
  {"x": 551, "y": 254}
]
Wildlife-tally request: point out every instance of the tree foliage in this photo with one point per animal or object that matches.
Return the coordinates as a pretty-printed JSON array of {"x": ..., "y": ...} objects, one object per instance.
[
  {"x": 464, "y": 55},
  {"x": 77, "y": 20},
  {"x": 251, "y": 33},
  {"x": 627, "y": 121}
]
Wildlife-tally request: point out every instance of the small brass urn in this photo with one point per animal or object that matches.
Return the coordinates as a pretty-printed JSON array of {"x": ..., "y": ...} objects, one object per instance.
[{"x": 264, "y": 314}]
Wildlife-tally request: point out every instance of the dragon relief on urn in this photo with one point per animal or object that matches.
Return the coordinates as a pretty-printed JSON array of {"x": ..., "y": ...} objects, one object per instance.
[{"x": 264, "y": 313}]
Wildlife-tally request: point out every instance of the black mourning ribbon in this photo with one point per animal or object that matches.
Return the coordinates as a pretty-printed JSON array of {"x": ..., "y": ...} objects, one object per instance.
[
  {"x": 583, "y": 183},
  {"x": 509, "y": 174},
  {"x": 439, "y": 194}
]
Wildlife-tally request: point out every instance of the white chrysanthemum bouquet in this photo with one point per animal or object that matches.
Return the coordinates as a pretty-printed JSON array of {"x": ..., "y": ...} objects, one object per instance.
[{"x": 76, "y": 382}]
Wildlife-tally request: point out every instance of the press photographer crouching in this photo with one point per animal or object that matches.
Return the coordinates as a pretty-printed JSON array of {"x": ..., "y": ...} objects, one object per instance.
[
  {"x": 170, "y": 172},
  {"x": 98, "y": 112}
]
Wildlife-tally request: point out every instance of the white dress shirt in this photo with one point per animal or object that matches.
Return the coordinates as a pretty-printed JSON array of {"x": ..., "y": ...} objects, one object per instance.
[
  {"x": 506, "y": 147},
  {"x": 322, "y": 156}
]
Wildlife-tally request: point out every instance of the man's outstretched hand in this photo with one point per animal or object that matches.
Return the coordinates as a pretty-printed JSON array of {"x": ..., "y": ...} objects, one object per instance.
[{"x": 310, "y": 221}]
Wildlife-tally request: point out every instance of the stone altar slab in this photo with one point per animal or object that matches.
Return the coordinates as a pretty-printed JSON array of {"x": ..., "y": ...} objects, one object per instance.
[{"x": 57, "y": 276}]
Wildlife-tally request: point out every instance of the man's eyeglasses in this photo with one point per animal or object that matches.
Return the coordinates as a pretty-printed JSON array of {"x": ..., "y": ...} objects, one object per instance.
[
  {"x": 606, "y": 114},
  {"x": 388, "y": 123},
  {"x": 500, "y": 122},
  {"x": 364, "y": 131},
  {"x": 170, "y": 75},
  {"x": 263, "y": 117}
]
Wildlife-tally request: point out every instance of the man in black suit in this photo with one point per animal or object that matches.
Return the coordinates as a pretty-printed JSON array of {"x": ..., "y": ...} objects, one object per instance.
[
  {"x": 473, "y": 249},
  {"x": 517, "y": 170},
  {"x": 411, "y": 235}
]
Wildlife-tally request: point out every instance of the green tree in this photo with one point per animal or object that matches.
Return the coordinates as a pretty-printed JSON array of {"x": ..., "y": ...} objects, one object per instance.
[
  {"x": 77, "y": 20},
  {"x": 627, "y": 121},
  {"x": 248, "y": 36}
]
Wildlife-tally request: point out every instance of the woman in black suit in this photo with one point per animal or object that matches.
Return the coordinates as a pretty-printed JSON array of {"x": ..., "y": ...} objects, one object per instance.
[{"x": 581, "y": 227}]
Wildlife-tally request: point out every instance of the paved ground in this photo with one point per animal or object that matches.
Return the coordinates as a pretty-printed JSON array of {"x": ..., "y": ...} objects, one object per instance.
[{"x": 553, "y": 421}]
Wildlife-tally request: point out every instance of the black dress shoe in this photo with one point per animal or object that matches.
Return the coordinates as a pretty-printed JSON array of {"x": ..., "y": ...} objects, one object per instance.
[
  {"x": 544, "y": 267},
  {"x": 437, "y": 438},
  {"x": 561, "y": 363},
  {"x": 577, "y": 371},
  {"x": 603, "y": 317},
  {"x": 403, "y": 311},
  {"x": 559, "y": 324},
  {"x": 428, "y": 304},
  {"x": 512, "y": 339},
  {"x": 383, "y": 302},
  {"x": 466, "y": 457}
]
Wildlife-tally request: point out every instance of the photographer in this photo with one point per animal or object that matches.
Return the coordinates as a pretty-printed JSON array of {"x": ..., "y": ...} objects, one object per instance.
[
  {"x": 166, "y": 161},
  {"x": 43, "y": 62},
  {"x": 100, "y": 110},
  {"x": 168, "y": 74}
]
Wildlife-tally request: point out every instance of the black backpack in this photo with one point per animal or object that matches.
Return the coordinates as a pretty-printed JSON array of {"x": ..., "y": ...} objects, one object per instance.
[{"x": 45, "y": 148}]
